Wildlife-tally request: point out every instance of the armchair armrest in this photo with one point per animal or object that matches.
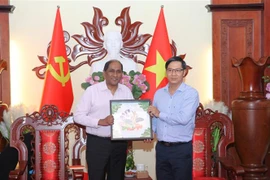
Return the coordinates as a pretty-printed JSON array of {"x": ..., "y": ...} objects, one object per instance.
[
  {"x": 77, "y": 171},
  {"x": 78, "y": 174},
  {"x": 19, "y": 171},
  {"x": 234, "y": 171}
]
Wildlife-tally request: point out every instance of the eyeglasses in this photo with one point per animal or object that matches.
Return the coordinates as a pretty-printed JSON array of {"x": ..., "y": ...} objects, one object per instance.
[{"x": 176, "y": 71}]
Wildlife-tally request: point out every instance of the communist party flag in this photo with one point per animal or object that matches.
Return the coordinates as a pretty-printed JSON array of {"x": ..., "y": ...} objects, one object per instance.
[
  {"x": 57, "y": 85},
  {"x": 159, "y": 52}
]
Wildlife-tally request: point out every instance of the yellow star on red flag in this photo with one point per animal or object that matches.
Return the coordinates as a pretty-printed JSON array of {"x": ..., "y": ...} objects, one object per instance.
[
  {"x": 159, "y": 52},
  {"x": 158, "y": 69}
]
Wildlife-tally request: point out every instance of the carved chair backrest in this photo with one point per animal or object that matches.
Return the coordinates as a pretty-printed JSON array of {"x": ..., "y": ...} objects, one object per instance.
[
  {"x": 50, "y": 144},
  {"x": 204, "y": 159},
  {"x": 3, "y": 107}
]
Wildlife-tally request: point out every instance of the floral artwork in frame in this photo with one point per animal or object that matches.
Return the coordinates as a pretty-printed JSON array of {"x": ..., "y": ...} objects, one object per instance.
[{"x": 131, "y": 120}]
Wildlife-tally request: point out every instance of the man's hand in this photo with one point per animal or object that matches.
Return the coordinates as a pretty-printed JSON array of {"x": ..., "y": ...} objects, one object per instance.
[
  {"x": 153, "y": 111},
  {"x": 109, "y": 120}
]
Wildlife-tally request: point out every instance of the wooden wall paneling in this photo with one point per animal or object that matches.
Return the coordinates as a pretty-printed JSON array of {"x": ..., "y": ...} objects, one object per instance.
[
  {"x": 5, "y": 9},
  {"x": 240, "y": 28},
  {"x": 235, "y": 35},
  {"x": 236, "y": 1},
  {"x": 4, "y": 55}
]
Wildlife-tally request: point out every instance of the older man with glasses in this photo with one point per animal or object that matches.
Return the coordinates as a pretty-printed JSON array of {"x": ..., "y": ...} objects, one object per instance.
[{"x": 106, "y": 159}]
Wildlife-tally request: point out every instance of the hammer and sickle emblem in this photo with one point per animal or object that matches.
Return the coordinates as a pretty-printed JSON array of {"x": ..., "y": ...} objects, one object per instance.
[{"x": 59, "y": 77}]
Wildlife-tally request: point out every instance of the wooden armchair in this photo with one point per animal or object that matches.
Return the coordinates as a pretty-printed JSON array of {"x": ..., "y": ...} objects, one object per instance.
[
  {"x": 3, "y": 141},
  {"x": 50, "y": 144},
  {"x": 206, "y": 163}
]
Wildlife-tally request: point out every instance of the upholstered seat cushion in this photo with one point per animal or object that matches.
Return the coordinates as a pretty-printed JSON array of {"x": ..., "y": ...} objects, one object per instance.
[
  {"x": 49, "y": 147},
  {"x": 199, "y": 152}
]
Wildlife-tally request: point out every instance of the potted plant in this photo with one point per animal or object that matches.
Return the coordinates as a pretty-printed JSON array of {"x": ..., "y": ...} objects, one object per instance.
[{"x": 130, "y": 165}]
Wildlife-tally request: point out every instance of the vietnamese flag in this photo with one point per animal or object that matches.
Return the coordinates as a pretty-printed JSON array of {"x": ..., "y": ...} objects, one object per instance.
[
  {"x": 57, "y": 85},
  {"x": 159, "y": 52}
]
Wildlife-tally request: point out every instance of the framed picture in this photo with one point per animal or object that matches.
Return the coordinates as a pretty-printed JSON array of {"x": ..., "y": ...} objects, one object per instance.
[{"x": 131, "y": 120}]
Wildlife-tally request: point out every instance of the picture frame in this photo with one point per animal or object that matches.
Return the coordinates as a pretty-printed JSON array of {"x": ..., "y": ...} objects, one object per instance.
[{"x": 131, "y": 120}]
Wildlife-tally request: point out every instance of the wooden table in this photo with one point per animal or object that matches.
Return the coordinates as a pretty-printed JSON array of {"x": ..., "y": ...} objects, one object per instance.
[{"x": 135, "y": 178}]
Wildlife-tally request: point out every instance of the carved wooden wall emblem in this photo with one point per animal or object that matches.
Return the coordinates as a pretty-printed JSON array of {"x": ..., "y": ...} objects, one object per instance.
[{"x": 90, "y": 45}]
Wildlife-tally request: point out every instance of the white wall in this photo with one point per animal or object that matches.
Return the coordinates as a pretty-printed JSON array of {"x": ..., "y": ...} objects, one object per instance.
[{"x": 31, "y": 26}]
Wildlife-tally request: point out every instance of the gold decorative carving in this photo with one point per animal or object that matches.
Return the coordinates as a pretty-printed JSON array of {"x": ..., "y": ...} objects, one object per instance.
[
  {"x": 198, "y": 164},
  {"x": 198, "y": 146}
]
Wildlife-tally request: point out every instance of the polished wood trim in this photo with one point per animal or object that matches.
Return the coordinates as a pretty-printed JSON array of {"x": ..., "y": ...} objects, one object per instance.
[
  {"x": 266, "y": 34},
  {"x": 7, "y": 8},
  {"x": 3, "y": 65},
  {"x": 235, "y": 7}
]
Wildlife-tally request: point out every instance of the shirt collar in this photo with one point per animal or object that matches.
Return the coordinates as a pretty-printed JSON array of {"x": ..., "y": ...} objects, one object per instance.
[
  {"x": 105, "y": 87},
  {"x": 180, "y": 88}
]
